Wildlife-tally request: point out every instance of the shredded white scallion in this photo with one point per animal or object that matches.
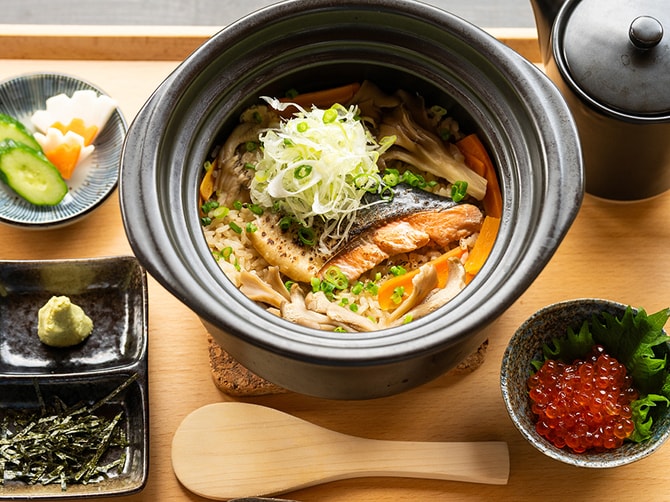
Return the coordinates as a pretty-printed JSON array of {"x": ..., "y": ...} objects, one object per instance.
[{"x": 318, "y": 164}]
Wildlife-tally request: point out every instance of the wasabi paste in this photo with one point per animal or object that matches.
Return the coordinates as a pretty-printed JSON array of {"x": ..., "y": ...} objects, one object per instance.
[{"x": 61, "y": 323}]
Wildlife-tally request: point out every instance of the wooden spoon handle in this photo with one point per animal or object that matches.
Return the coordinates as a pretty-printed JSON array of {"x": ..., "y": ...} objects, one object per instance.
[{"x": 475, "y": 462}]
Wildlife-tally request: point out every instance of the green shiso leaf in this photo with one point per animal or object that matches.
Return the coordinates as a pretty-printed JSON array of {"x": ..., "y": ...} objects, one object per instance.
[
  {"x": 635, "y": 340},
  {"x": 572, "y": 346},
  {"x": 642, "y": 418}
]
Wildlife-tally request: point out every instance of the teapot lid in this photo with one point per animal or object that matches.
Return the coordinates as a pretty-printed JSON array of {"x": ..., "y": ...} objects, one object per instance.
[{"x": 616, "y": 55}]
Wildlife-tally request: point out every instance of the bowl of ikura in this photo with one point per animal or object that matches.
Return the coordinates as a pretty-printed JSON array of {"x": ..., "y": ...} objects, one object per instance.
[
  {"x": 587, "y": 382},
  {"x": 60, "y": 144},
  {"x": 347, "y": 194}
]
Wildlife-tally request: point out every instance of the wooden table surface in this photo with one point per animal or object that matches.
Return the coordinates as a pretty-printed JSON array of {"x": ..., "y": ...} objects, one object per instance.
[{"x": 613, "y": 250}]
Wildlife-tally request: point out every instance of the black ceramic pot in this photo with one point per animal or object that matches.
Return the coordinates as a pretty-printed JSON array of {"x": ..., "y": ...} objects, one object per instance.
[{"x": 313, "y": 44}]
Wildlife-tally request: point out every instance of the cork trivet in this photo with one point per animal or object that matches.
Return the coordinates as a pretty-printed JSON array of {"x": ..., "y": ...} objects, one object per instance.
[{"x": 236, "y": 380}]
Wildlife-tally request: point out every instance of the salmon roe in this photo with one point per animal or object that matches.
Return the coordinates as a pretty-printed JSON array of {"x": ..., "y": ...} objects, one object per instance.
[{"x": 585, "y": 405}]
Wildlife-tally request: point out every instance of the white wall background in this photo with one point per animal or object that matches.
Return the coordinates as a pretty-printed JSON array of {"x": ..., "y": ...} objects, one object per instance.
[{"x": 484, "y": 13}]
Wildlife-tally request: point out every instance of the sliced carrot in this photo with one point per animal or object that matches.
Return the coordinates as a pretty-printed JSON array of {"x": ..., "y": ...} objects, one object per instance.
[
  {"x": 482, "y": 248},
  {"x": 325, "y": 98},
  {"x": 65, "y": 157},
  {"x": 77, "y": 126},
  {"x": 207, "y": 184},
  {"x": 477, "y": 158},
  {"x": 387, "y": 288}
]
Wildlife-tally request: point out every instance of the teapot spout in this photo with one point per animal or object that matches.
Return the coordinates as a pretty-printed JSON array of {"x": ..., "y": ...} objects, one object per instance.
[{"x": 545, "y": 12}]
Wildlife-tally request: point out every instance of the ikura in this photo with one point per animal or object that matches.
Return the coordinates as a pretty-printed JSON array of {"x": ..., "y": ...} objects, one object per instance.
[{"x": 585, "y": 405}]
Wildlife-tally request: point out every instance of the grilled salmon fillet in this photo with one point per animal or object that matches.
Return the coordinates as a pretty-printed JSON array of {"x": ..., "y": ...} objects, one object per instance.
[{"x": 405, "y": 235}]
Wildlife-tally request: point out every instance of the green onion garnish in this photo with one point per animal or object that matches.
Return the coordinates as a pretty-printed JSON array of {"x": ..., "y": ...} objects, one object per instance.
[
  {"x": 329, "y": 116},
  {"x": 307, "y": 236},
  {"x": 301, "y": 172},
  {"x": 459, "y": 190},
  {"x": 397, "y": 295},
  {"x": 336, "y": 277}
]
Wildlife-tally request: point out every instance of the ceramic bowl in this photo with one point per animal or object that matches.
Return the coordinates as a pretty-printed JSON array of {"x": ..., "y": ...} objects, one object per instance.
[
  {"x": 314, "y": 44},
  {"x": 91, "y": 183},
  {"x": 526, "y": 345},
  {"x": 113, "y": 293}
]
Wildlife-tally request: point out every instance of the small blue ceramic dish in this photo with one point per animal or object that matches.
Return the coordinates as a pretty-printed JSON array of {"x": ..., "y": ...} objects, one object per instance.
[
  {"x": 92, "y": 183},
  {"x": 526, "y": 345}
]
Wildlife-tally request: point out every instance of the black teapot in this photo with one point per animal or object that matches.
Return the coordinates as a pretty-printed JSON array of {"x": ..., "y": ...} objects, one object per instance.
[{"x": 611, "y": 61}]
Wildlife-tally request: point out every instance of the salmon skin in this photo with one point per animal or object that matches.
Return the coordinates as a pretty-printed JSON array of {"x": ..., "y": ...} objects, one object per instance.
[{"x": 406, "y": 200}]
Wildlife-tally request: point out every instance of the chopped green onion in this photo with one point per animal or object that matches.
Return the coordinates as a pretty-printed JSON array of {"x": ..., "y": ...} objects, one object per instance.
[
  {"x": 288, "y": 285},
  {"x": 226, "y": 253},
  {"x": 235, "y": 227},
  {"x": 255, "y": 208},
  {"x": 353, "y": 307},
  {"x": 328, "y": 289},
  {"x": 316, "y": 284},
  {"x": 238, "y": 205},
  {"x": 250, "y": 166},
  {"x": 251, "y": 146},
  {"x": 398, "y": 270},
  {"x": 220, "y": 212},
  {"x": 336, "y": 277},
  {"x": 413, "y": 179},
  {"x": 301, "y": 172},
  {"x": 288, "y": 142},
  {"x": 307, "y": 236},
  {"x": 329, "y": 116},
  {"x": 357, "y": 288},
  {"x": 372, "y": 287},
  {"x": 366, "y": 182},
  {"x": 205, "y": 220},
  {"x": 285, "y": 223},
  {"x": 302, "y": 127},
  {"x": 339, "y": 329},
  {"x": 459, "y": 190},
  {"x": 397, "y": 295},
  {"x": 391, "y": 177},
  {"x": 209, "y": 205},
  {"x": 408, "y": 319},
  {"x": 386, "y": 193},
  {"x": 251, "y": 228}
]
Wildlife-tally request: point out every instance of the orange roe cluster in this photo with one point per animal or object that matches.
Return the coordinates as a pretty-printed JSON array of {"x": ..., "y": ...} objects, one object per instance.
[{"x": 585, "y": 405}]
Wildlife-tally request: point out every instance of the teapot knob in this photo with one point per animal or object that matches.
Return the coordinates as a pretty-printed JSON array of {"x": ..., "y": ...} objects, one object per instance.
[{"x": 645, "y": 32}]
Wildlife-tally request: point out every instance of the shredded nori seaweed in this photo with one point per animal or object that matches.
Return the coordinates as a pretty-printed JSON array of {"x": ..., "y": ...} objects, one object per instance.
[{"x": 62, "y": 444}]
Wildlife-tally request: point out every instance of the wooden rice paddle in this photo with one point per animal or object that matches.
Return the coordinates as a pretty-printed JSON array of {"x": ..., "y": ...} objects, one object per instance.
[{"x": 228, "y": 450}]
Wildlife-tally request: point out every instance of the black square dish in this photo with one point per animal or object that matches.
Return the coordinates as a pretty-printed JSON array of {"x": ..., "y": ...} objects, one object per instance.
[{"x": 104, "y": 377}]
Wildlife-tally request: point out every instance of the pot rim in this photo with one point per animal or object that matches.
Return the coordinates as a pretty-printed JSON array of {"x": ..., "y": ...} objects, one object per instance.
[{"x": 495, "y": 293}]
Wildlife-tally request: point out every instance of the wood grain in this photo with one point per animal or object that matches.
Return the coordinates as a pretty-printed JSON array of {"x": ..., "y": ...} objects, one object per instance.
[
  {"x": 614, "y": 250},
  {"x": 154, "y": 43}
]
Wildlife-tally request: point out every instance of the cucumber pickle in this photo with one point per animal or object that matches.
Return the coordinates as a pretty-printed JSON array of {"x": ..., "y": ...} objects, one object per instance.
[
  {"x": 25, "y": 168},
  {"x": 30, "y": 174},
  {"x": 10, "y": 128}
]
